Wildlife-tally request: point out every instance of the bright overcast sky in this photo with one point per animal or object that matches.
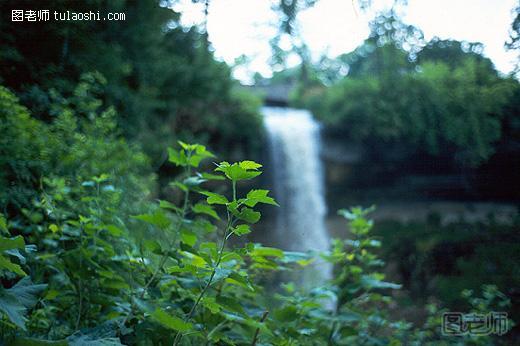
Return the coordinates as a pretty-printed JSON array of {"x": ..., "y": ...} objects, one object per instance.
[{"x": 244, "y": 27}]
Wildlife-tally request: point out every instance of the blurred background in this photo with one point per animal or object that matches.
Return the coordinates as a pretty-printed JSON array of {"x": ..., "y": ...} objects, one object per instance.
[{"x": 412, "y": 106}]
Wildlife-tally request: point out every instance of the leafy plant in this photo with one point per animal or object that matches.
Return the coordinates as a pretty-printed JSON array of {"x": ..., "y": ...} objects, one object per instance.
[
  {"x": 23, "y": 295},
  {"x": 174, "y": 276}
]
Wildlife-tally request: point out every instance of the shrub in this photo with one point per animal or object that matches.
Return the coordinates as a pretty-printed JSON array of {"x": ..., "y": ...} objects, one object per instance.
[
  {"x": 171, "y": 276},
  {"x": 80, "y": 141}
]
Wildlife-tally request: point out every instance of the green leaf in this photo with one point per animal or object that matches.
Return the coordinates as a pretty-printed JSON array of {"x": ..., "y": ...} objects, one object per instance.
[
  {"x": 210, "y": 304},
  {"x": 200, "y": 154},
  {"x": 116, "y": 284},
  {"x": 214, "y": 198},
  {"x": 231, "y": 304},
  {"x": 232, "y": 256},
  {"x": 296, "y": 257},
  {"x": 249, "y": 215},
  {"x": 3, "y": 224},
  {"x": 191, "y": 154},
  {"x": 201, "y": 150},
  {"x": 209, "y": 248},
  {"x": 177, "y": 157},
  {"x": 241, "y": 230},
  {"x": 194, "y": 260},
  {"x": 185, "y": 146},
  {"x": 54, "y": 228},
  {"x": 15, "y": 301},
  {"x": 239, "y": 171},
  {"x": 16, "y": 253},
  {"x": 250, "y": 165},
  {"x": 193, "y": 181},
  {"x": 99, "y": 179},
  {"x": 267, "y": 251},
  {"x": 104, "y": 334},
  {"x": 237, "y": 279},
  {"x": 152, "y": 246},
  {"x": 200, "y": 208},
  {"x": 369, "y": 281},
  {"x": 52, "y": 294},
  {"x": 167, "y": 205},
  {"x": 6, "y": 264},
  {"x": 11, "y": 243},
  {"x": 220, "y": 274},
  {"x": 204, "y": 225},
  {"x": 259, "y": 196},
  {"x": 158, "y": 218},
  {"x": 248, "y": 322},
  {"x": 232, "y": 207},
  {"x": 209, "y": 176},
  {"x": 114, "y": 230},
  {"x": 179, "y": 185},
  {"x": 188, "y": 237},
  {"x": 170, "y": 321},
  {"x": 286, "y": 314}
]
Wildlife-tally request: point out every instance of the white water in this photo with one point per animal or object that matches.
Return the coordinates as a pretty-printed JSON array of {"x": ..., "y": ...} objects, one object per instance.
[{"x": 294, "y": 141}]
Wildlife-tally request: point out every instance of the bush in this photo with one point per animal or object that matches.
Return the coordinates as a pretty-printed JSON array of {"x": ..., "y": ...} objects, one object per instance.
[
  {"x": 81, "y": 141},
  {"x": 170, "y": 275}
]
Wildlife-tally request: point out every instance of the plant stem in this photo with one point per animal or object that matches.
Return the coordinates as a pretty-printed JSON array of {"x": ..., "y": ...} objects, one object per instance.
[
  {"x": 331, "y": 335},
  {"x": 178, "y": 336},
  {"x": 164, "y": 257},
  {"x": 257, "y": 332},
  {"x": 80, "y": 305},
  {"x": 80, "y": 286}
]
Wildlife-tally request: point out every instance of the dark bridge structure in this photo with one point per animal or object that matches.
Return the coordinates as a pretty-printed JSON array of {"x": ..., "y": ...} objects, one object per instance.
[{"x": 273, "y": 95}]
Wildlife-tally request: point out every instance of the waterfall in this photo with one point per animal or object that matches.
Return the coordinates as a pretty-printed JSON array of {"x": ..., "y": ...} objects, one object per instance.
[{"x": 294, "y": 143}]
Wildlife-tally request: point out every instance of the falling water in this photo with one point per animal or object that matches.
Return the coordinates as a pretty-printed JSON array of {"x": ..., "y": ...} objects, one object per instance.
[{"x": 294, "y": 141}]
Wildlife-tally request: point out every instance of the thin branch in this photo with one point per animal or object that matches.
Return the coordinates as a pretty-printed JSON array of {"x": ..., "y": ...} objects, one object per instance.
[
  {"x": 164, "y": 257},
  {"x": 257, "y": 332},
  {"x": 227, "y": 233}
]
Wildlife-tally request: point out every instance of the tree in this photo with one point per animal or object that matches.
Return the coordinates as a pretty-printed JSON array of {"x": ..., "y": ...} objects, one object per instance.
[
  {"x": 161, "y": 77},
  {"x": 514, "y": 34},
  {"x": 441, "y": 98}
]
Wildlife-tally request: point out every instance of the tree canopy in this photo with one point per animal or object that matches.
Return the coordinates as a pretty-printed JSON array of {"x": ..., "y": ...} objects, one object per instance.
[
  {"x": 440, "y": 96},
  {"x": 162, "y": 79}
]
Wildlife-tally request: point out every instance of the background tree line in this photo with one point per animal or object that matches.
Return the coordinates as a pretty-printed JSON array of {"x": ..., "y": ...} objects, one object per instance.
[{"x": 407, "y": 102}]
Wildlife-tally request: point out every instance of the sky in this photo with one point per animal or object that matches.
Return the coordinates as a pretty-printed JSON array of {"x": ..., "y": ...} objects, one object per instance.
[{"x": 244, "y": 27}]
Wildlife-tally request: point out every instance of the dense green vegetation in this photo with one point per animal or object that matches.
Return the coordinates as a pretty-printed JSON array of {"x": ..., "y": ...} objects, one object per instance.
[
  {"x": 441, "y": 97},
  {"x": 110, "y": 236},
  {"x": 440, "y": 260},
  {"x": 82, "y": 140},
  {"x": 167, "y": 276},
  {"x": 161, "y": 78}
]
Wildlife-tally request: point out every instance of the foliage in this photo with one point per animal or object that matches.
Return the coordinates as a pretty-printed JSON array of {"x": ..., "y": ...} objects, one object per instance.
[
  {"x": 474, "y": 127},
  {"x": 362, "y": 302},
  {"x": 173, "y": 275},
  {"x": 434, "y": 260},
  {"x": 163, "y": 81},
  {"x": 87, "y": 259},
  {"x": 81, "y": 141},
  {"x": 492, "y": 300},
  {"x": 514, "y": 34},
  {"x": 442, "y": 98}
]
